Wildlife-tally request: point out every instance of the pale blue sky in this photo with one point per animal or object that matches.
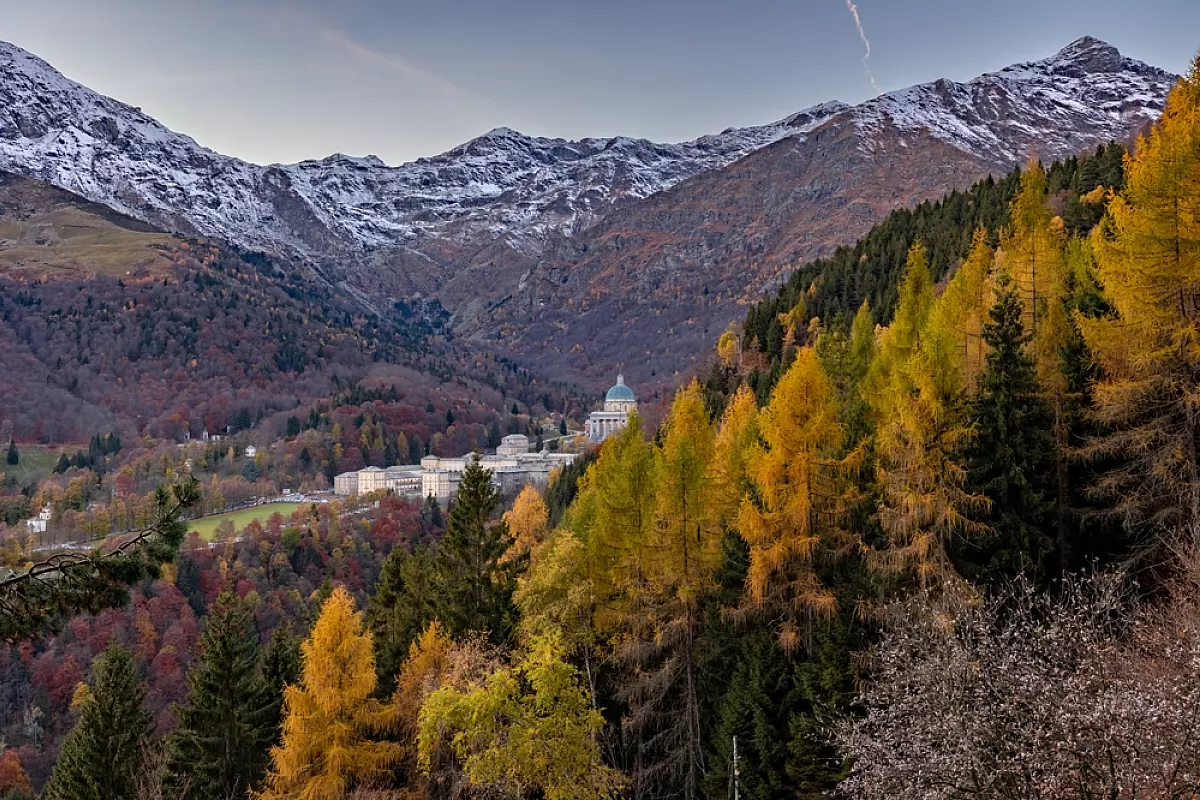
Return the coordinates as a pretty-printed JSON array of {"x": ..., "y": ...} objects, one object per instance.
[{"x": 273, "y": 80}]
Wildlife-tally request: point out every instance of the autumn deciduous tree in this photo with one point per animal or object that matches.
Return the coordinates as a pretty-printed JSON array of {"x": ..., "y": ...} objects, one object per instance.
[
  {"x": 528, "y": 730},
  {"x": 330, "y": 719},
  {"x": 14, "y": 782},
  {"x": 798, "y": 500},
  {"x": 1148, "y": 253},
  {"x": 1031, "y": 696}
]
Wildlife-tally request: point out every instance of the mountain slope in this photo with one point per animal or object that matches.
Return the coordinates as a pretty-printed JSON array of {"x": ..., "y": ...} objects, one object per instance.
[
  {"x": 654, "y": 282},
  {"x": 406, "y": 228},
  {"x": 578, "y": 254}
]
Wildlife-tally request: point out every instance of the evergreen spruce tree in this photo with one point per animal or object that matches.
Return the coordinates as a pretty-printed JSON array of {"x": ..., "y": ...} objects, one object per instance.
[
  {"x": 473, "y": 591},
  {"x": 1011, "y": 458},
  {"x": 401, "y": 608},
  {"x": 281, "y": 667},
  {"x": 220, "y": 750},
  {"x": 103, "y": 755},
  {"x": 14, "y": 457}
]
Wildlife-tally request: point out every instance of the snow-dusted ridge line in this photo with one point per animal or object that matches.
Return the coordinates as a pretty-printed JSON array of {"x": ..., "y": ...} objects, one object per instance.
[
  {"x": 505, "y": 186},
  {"x": 1039, "y": 107}
]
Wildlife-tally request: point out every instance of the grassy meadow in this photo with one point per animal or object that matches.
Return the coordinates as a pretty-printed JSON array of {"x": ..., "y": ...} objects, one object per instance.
[{"x": 207, "y": 526}]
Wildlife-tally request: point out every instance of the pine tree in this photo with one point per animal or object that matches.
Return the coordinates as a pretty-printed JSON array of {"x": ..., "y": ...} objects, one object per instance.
[
  {"x": 330, "y": 719},
  {"x": 403, "y": 605},
  {"x": 1011, "y": 457},
  {"x": 103, "y": 755},
  {"x": 472, "y": 588},
  {"x": 226, "y": 728},
  {"x": 14, "y": 457},
  {"x": 1148, "y": 253},
  {"x": 281, "y": 667}
]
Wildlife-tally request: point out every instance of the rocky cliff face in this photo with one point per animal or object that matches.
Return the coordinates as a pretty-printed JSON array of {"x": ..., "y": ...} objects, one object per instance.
[{"x": 580, "y": 255}]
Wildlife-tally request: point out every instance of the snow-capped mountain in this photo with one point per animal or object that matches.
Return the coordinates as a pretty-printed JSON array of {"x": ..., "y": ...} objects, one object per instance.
[
  {"x": 508, "y": 230},
  {"x": 655, "y": 281},
  {"x": 502, "y": 184},
  {"x": 1086, "y": 92}
]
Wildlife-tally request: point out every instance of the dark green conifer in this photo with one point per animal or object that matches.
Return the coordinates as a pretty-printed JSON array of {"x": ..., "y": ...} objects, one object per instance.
[
  {"x": 14, "y": 457},
  {"x": 400, "y": 609},
  {"x": 104, "y": 754},
  {"x": 1011, "y": 458},
  {"x": 221, "y": 748},
  {"x": 281, "y": 667},
  {"x": 473, "y": 592}
]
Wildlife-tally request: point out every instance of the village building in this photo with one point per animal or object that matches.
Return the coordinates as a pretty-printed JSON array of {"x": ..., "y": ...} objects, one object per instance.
[{"x": 346, "y": 484}]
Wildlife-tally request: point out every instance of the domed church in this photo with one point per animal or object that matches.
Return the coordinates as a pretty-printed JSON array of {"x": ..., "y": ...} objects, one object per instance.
[{"x": 619, "y": 401}]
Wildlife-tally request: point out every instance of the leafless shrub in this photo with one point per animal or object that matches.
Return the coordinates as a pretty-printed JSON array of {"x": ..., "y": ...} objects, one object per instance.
[{"x": 1027, "y": 696}]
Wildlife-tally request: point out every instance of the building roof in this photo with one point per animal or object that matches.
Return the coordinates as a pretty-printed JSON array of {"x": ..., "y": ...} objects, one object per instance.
[{"x": 620, "y": 391}]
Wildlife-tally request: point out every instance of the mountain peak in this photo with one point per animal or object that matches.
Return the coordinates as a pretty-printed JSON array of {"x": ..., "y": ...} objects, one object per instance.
[{"x": 1087, "y": 54}]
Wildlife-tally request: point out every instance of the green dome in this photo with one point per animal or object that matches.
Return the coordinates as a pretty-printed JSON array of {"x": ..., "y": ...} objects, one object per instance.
[{"x": 620, "y": 392}]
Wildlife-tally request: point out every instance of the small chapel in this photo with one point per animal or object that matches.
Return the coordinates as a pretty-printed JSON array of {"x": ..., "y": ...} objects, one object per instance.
[{"x": 619, "y": 401}]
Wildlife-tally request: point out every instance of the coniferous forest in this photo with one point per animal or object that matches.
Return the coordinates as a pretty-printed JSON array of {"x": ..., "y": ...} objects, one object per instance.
[{"x": 927, "y": 526}]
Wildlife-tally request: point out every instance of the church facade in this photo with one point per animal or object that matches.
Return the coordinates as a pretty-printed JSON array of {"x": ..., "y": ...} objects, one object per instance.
[{"x": 619, "y": 401}]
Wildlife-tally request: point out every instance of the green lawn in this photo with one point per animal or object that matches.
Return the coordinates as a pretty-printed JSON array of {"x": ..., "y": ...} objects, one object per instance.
[
  {"x": 207, "y": 526},
  {"x": 37, "y": 462}
]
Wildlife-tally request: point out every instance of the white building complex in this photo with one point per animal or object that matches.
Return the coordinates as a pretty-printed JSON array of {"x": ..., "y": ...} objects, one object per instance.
[
  {"x": 513, "y": 466},
  {"x": 404, "y": 480},
  {"x": 619, "y": 401}
]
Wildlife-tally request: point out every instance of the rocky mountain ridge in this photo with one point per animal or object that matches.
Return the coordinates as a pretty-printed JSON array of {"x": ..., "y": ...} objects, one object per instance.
[{"x": 524, "y": 238}]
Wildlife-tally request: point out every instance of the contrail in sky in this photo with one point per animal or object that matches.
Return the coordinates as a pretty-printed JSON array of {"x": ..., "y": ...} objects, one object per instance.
[{"x": 866, "y": 42}]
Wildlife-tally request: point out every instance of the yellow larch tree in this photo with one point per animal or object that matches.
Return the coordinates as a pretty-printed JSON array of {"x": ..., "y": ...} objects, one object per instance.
[
  {"x": 921, "y": 434},
  {"x": 1032, "y": 247},
  {"x": 798, "y": 500},
  {"x": 963, "y": 307},
  {"x": 1148, "y": 262},
  {"x": 330, "y": 718},
  {"x": 899, "y": 341},
  {"x": 617, "y": 515},
  {"x": 528, "y": 524},
  {"x": 423, "y": 672},
  {"x": 677, "y": 564},
  {"x": 737, "y": 432}
]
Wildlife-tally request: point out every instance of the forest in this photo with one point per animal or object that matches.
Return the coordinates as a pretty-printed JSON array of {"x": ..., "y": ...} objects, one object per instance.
[{"x": 942, "y": 546}]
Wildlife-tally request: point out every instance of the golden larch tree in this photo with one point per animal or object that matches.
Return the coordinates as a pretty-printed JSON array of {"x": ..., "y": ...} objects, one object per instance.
[
  {"x": 1148, "y": 262},
  {"x": 738, "y": 431},
  {"x": 330, "y": 718},
  {"x": 798, "y": 501},
  {"x": 528, "y": 524},
  {"x": 921, "y": 434}
]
